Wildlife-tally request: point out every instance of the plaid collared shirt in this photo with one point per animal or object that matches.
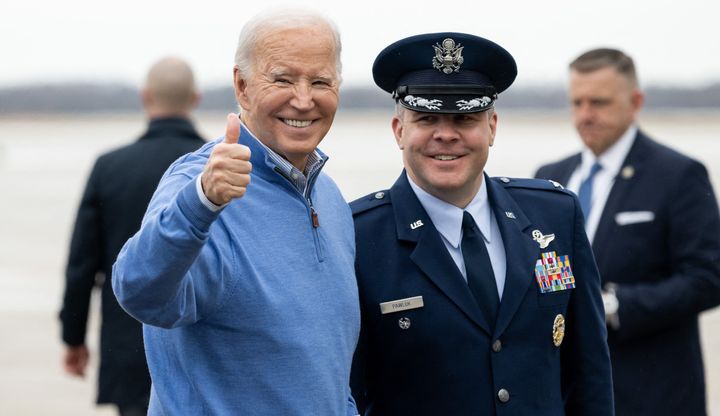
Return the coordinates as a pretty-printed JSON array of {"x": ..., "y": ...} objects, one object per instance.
[{"x": 298, "y": 178}]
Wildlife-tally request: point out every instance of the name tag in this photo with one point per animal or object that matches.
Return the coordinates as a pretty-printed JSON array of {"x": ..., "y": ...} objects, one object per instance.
[{"x": 401, "y": 305}]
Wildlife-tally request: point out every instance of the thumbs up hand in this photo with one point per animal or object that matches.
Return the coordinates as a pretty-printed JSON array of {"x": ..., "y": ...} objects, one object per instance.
[{"x": 227, "y": 171}]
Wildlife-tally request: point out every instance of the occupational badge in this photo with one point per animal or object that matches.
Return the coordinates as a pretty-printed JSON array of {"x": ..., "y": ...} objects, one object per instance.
[
  {"x": 542, "y": 240},
  {"x": 558, "y": 330},
  {"x": 404, "y": 323},
  {"x": 448, "y": 57},
  {"x": 553, "y": 273}
]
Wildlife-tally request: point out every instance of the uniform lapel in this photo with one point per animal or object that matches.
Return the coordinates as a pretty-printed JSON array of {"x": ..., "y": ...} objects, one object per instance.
[
  {"x": 521, "y": 252},
  {"x": 430, "y": 254}
]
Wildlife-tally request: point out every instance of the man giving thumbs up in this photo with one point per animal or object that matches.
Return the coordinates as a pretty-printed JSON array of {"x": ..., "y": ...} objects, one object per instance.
[{"x": 242, "y": 272}]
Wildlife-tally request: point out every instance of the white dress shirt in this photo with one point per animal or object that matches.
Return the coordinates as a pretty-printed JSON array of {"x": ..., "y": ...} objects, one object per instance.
[
  {"x": 447, "y": 219},
  {"x": 612, "y": 161}
]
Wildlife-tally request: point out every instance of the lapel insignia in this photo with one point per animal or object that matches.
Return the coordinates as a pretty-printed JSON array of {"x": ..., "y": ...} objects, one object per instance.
[
  {"x": 448, "y": 57},
  {"x": 416, "y": 224},
  {"x": 541, "y": 239},
  {"x": 510, "y": 215},
  {"x": 404, "y": 323},
  {"x": 554, "y": 273},
  {"x": 627, "y": 172},
  {"x": 558, "y": 330}
]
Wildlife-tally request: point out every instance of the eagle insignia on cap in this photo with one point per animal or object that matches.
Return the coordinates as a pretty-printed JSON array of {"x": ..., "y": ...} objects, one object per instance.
[{"x": 448, "y": 57}]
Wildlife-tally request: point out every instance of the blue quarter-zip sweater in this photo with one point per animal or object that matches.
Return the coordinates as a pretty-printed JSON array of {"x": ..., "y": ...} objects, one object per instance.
[{"x": 250, "y": 310}]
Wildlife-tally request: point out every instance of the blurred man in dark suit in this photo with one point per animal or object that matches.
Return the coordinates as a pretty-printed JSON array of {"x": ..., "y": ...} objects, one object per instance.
[
  {"x": 652, "y": 219},
  {"x": 116, "y": 196}
]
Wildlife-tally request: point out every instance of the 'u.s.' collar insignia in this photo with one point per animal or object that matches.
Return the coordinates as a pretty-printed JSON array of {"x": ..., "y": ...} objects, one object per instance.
[
  {"x": 448, "y": 57},
  {"x": 416, "y": 224},
  {"x": 510, "y": 215},
  {"x": 627, "y": 172},
  {"x": 558, "y": 330},
  {"x": 541, "y": 239}
]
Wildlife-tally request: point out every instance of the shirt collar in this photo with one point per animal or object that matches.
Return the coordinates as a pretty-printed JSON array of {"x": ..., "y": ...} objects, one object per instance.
[
  {"x": 613, "y": 158},
  {"x": 447, "y": 218}
]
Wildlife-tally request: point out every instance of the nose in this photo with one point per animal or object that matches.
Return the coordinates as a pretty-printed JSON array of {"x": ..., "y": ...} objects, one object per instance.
[
  {"x": 303, "y": 97},
  {"x": 445, "y": 130},
  {"x": 583, "y": 112}
]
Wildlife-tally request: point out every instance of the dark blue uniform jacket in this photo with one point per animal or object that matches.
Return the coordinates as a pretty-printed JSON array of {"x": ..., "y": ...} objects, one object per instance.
[{"x": 448, "y": 362}]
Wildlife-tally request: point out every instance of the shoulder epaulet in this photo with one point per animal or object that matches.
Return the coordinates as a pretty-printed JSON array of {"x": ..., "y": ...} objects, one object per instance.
[
  {"x": 529, "y": 183},
  {"x": 370, "y": 201}
]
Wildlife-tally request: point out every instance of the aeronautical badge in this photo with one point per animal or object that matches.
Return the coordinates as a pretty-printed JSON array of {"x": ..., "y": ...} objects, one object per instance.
[
  {"x": 542, "y": 240},
  {"x": 554, "y": 273},
  {"x": 558, "y": 330},
  {"x": 448, "y": 57}
]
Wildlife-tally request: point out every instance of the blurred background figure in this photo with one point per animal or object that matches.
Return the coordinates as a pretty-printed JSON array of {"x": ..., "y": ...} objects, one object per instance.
[
  {"x": 117, "y": 193},
  {"x": 652, "y": 218}
]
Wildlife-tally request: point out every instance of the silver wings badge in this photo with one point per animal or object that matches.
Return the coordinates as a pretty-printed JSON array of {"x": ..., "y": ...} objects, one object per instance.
[
  {"x": 448, "y": 57},
  {"x": 542, "y": 240}
]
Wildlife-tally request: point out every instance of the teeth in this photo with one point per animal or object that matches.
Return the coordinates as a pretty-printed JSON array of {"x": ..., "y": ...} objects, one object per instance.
[
  {"x": 445, "y": 157},
  {"x": 297, "y": 123}
]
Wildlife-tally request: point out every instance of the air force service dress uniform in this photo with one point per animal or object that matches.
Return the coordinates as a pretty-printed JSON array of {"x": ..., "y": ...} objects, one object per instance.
[{"x": 426, "y": 348}]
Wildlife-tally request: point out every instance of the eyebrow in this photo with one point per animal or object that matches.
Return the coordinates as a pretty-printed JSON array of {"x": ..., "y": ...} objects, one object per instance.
[{"x": 284, "y": 72}]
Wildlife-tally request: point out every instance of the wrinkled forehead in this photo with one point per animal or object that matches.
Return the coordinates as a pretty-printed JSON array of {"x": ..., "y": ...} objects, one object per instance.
[{"x": 310, "y": 49}]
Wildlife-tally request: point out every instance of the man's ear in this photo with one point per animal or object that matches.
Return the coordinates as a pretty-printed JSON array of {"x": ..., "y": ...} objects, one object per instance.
[
  {"x": 492, "y": 121},
  {"x": 240, "y": 85},
  {"x": 397, "y": 128}
]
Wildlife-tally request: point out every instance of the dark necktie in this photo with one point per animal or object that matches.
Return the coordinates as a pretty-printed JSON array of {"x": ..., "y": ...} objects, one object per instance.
[
  {"x": 479, "y": 271},
  {"x": 586, "y": 190}
]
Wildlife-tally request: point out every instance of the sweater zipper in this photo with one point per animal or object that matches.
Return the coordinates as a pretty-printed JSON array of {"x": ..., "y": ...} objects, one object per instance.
[{"x": 314, "y": 219}]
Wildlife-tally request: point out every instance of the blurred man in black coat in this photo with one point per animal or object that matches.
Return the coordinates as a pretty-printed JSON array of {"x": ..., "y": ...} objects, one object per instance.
[
  {"x": 116, "y": 196},
  {"x": 653, "y": 222}
]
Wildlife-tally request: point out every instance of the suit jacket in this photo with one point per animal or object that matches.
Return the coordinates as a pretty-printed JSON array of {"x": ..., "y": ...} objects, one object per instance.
[
  {"x": 117, "y": 193},
  {"x": 448, "y": 361},
  {"x": 658, "y": 240}
]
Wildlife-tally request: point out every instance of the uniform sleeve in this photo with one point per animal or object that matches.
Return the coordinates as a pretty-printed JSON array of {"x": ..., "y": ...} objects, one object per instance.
[
  {"x": 586, "y": 370},
  {"x": 170, "y": 273},
  {"x": 84, "y": 262},
  {"x": 693, "y": 239}
]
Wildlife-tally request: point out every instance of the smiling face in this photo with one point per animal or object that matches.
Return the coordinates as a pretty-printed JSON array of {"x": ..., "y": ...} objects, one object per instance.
[
  {"x": 604, "y": 104},
  {"x": 445, "y": 154},
  {"x": 290, "y": 97}
]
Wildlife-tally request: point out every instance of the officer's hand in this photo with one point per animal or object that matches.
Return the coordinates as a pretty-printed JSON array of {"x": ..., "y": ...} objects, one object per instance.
[
  {"x": 227, "y": 172},
  {"x": 76, "y": 360}
]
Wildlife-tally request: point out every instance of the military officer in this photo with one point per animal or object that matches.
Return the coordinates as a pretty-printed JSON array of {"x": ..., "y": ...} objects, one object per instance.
[{"x": 479, "y": 295}]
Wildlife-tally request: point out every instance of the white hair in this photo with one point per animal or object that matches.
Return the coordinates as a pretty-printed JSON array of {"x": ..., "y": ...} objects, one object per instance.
[{"x": 275, "y": 20}]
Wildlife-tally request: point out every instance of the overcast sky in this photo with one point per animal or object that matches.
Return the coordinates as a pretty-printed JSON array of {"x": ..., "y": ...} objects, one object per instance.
[{"x": 673, "y": 42}]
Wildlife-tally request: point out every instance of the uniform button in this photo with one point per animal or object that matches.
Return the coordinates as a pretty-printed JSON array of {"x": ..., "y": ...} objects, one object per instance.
[
  {"x": 503, "y": 395},
  {"x": 497, "y": 346},
  {"x": 380, "y": 195}
]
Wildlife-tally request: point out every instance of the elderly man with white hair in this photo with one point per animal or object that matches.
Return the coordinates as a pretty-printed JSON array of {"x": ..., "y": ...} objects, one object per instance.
[{"x": 242, "y": 272}]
